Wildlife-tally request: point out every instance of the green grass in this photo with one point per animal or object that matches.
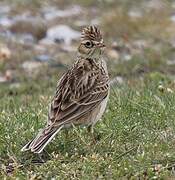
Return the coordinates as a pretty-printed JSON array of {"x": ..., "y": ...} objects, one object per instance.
[
  {"x": 136, "y": 136},
  {"x": 137, "y": 132}
]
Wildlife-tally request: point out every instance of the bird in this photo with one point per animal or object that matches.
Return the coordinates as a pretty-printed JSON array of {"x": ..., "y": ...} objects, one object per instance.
[{"x": 81, "y": 93}]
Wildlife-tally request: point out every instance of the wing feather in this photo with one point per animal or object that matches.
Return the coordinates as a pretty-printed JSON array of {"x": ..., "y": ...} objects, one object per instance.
[{"x": 79, "y": 91}]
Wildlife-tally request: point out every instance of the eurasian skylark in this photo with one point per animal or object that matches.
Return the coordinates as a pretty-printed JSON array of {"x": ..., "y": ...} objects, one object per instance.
[{"x": 81, "y": 94}]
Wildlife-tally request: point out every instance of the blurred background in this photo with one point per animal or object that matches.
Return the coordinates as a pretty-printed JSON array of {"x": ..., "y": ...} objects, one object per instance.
[
  {"x": 39, "y": 39},
  {"x": 38, "y": 42}
]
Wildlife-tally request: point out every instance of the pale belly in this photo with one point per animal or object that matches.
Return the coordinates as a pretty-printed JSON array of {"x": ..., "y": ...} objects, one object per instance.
[
  {"x": 100, "y": 111},
  {"x": 92, "y": 117}
]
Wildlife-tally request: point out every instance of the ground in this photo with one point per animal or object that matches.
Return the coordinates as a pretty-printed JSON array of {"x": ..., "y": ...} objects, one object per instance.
[{"x": 136, "y": 137}]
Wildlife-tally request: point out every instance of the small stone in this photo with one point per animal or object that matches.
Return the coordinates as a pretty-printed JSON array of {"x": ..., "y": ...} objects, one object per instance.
[
  {"x": 31, "y": 66},
  {"x": 161, "y": 88},
  {"x": 169, "y": 90},
  {"x": 62, "y": 33},
  {"x": 158, "y": 167},
  {"x": 135, "y": 13},
  {"x": 43, "y": 58},
  {"x": 5, "y": 53},
  {"x": 8, "y": 75},
  {"x": 172, "y": 18},
  {"x": 170, "y": 62},
  {"x": 127, "y": 57},
  {"x": 6, "y": 22},
  {"x": 2, "y": 79}
]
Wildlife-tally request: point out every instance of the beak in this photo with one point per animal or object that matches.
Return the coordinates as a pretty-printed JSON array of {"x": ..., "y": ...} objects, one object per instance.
[{"x": 101, "y": 45}]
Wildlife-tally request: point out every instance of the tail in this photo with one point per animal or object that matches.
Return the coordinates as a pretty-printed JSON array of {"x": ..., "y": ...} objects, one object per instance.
[{"x": 42, "y": 139}]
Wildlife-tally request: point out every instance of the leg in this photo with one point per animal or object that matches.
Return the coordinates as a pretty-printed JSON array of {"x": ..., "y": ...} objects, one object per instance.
[
  {"x": 41, "y": 158},
  {"x": 95, "y": 136},
  {"x": 66, "y": 133},
  {"x": 92, "y": 133},
  {"x": 90, "y": 129},
  {"x": 47, "y": 155},
  {"x": 38, "y": 159}
]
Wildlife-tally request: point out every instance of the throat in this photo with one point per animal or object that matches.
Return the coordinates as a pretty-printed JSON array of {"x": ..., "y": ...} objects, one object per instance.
[
  {"x": 95, "y": 62},
  {"x": 91, "y": 55}
]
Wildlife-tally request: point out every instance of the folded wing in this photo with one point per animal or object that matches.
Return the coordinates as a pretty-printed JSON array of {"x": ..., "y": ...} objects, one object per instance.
[{"x": 80, "y": 90}]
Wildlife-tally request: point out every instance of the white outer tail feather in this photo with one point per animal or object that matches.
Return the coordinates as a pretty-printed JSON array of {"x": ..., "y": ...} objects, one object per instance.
[{"x": 29, "y": 145}]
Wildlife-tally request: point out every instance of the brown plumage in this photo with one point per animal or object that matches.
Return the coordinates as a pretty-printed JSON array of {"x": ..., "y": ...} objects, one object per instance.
[
  {"x": 81, "y": 94},
  {"x": 91, "y": 33}
]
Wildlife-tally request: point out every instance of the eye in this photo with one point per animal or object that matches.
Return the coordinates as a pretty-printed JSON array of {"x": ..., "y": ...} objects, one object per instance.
[{"x": 88, "y": 44}]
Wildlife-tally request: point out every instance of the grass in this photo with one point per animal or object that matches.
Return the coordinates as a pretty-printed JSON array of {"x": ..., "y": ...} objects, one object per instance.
[
  {"x": 136, "y": 136},
  {"x": 137, "y": 132}
]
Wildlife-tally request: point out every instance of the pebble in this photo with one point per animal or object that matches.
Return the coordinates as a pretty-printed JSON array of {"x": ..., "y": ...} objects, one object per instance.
[
  {"x": 62, "y": 33},
  {"x": 43, "y": 58},
  {"x": 172, "y": 18},
  {"x": 134, "y": 13},
  {"x": 7, "y": 77},
  {"x": 5, "y": 53},
  {"x": 31, "y": 66},
  {"x": 6, "y": 21},
  {"x": 3, "y": 79}
]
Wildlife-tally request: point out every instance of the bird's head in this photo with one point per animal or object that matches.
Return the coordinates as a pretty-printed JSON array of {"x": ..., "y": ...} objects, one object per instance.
[{"x": 92, "y": 45}]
